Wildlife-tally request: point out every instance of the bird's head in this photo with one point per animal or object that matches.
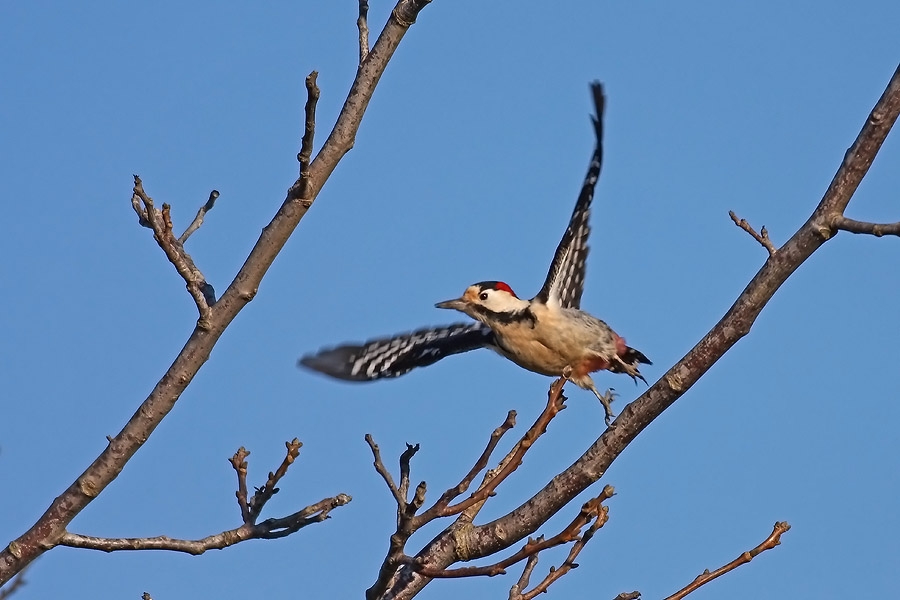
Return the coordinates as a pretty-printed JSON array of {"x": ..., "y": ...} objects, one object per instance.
[{"x": 486, "y": 297}]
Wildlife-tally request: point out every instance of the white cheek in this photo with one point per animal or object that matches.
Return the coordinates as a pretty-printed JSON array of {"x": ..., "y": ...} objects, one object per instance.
[{"x": 500, "y": 302}]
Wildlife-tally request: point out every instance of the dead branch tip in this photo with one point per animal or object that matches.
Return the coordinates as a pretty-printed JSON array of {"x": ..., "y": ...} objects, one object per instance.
[
  {"x": 770, "y": 542},
  {"x": 762, "y": 237},
  {"x": 201, "y": 213}
]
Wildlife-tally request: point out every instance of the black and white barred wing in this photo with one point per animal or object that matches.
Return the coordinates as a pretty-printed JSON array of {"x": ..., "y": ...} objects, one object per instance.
[
  {"x": 395, "y": 356},
  {"x": 565, "y": 281}
]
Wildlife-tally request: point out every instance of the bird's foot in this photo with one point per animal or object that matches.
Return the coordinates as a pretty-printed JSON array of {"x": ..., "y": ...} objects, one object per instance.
[
  {"x": 567, "y": 372},
  {"x": 606, "y": 400}
]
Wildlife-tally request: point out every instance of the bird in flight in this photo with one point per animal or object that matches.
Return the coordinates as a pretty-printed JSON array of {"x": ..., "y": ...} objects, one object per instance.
[{"x": 548, "y": 334}]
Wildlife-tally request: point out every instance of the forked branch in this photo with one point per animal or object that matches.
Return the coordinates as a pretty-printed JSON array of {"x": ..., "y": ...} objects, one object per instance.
[
  {"x": 251, "y": 509},
  {"x": 407, "y": 520},
  {"x": 160, "y": 221},
  {"x": 215, "y": 316},
  {"x": 269, "y": 529}
]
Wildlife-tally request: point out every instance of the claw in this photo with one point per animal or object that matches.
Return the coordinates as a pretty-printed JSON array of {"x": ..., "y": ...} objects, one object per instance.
[
  {"x": 606, "y": 400},
  {"x": 567, "y": 372}
]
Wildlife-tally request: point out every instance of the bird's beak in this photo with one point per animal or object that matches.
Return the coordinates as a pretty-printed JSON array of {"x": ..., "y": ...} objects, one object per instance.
[{"x": 457, "y": 304}]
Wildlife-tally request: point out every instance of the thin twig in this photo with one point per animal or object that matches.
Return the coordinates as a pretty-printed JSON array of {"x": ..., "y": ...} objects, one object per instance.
[
  {"x": 363, "y": 24},
  {"x": 309, "y": 133},
  {"x": 877, "y": 229},
  {"x": 469, "y": 514},
  {"x": 555, "y": 403},
  {"x": 267, "y": 530},
  {"x": 198, "y": 220},
  {"x": 407, "y": 455},
  {"x": 239, "y": 462},
  {"x": 143, "y": 217},
  {"x": 515, "y": 592},
  {"x": 770, "y": 542},
  {"x": 762, "y": 237},
  {"x": 482, "y": 462},
  {"x": 268, "y": 490}
]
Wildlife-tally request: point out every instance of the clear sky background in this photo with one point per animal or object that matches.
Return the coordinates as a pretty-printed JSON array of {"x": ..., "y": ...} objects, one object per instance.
[{"x": 466, "y": 168}]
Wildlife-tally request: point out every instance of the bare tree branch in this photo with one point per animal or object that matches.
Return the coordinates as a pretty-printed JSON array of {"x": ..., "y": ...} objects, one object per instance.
[
  {"x": 362, "y": 23},
  {"x": 239, "y": 462},
  {"x": 877, "y": 229},
  {"x": 462, "y": 542},
  {"x": 770, "y": 542},
  {"x": 267, "y": 530},
  {"x": 407, "y": 521},
  {"x": 309, "y": 133},
  {"x": 762, "y": 237},
  {"x": 198, "y": 220},
  {"x": 403, "y": 489},
  {"x": 51, "y": 526},
  {"x": 250, "y": 510}
]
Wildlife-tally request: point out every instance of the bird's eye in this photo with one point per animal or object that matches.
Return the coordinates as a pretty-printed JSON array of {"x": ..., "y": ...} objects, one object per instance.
[{"x": 483, "y": 295}]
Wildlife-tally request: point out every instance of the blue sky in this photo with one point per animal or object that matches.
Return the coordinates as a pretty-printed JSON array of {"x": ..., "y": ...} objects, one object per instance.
[{"x": 466, "y": 168}]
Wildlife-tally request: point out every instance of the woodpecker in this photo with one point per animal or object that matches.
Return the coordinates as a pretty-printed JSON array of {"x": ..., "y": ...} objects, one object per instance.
[{"x": 548, "y": 334}]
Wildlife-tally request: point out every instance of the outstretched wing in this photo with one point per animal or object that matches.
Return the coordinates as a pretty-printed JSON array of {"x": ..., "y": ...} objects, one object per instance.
[
  {"x": 565, "y": 281},
  {"x": 395, "y": 356}
]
